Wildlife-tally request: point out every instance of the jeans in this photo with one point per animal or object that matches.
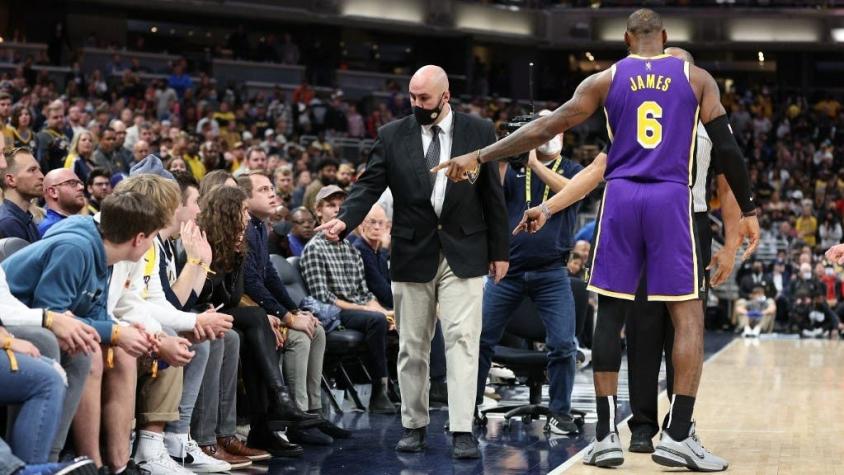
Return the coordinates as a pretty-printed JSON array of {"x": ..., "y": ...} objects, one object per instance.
[
  {"x": 76, "y": 367},
  {"x": 550, "y": 290},
  {"x": 39, "y": 388},
  {"x": 374, "y": 327},
  {"x": 215, "y": 413},
  {"x": 192, "y": 380},
  {"x": 9, "y": 464}
]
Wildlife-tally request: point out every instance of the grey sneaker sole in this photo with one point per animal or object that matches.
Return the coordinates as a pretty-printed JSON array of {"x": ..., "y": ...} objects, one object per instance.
[
  {"x": 671, "y": 458},
  {"x": 411, "y": 449},
  {"x": 606, "y": 458},
  {"x": 79, "y": 467}
]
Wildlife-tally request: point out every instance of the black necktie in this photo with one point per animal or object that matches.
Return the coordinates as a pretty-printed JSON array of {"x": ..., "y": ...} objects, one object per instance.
[{"x": 432, "y": 158}]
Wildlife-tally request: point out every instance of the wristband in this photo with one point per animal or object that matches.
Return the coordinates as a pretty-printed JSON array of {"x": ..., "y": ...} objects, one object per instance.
[
  {"x": 199, "y": 263},
  {"x": 7, "y": 347},
  {"x": 47, "y": 319},
  {"x": 749, "y": 214},
  {"x": 478, "y": 157}
]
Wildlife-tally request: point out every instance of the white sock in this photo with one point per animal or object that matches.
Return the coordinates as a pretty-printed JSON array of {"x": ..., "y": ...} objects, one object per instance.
[
  {"x": 149, "y": 444},
  {"x": 176, "y": 444}
]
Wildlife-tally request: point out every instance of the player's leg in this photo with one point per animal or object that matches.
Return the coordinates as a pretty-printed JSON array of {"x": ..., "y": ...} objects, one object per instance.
[{"x": 676, "y": 277}]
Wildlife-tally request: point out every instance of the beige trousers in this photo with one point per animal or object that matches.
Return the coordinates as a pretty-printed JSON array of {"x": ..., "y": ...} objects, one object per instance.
[
  {"x": 416, "y": 307},
  {"x": 302, "y": 365}
]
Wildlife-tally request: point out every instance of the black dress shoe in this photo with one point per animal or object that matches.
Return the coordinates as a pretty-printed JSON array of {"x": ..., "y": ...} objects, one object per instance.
[
  {"x": 640, "y": 442},
  {"x": 333, "y": 430},
  {"x": 311, "y": 436},
  {"x": 465, "y": 446},
  {"x": 412, "y": 440},
  {"x": 276, "y": 445}
]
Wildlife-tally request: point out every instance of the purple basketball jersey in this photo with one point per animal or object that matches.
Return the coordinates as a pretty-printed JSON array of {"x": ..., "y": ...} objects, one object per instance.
[{"x": 652, "y": 115}]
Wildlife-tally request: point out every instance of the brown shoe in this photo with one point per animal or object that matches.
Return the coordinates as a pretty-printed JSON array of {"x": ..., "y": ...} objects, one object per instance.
[
  {"x": 219, "y": 453},
  {"x": 234, "y": 446}
]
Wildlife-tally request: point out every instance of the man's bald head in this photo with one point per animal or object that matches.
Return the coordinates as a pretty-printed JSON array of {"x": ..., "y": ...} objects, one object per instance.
[
  {"x": 680, "y": 53},
  {"x": 644, "y": 22},
  {"x": 57, "y": 176},
  {"x": 429, "y": 77}
]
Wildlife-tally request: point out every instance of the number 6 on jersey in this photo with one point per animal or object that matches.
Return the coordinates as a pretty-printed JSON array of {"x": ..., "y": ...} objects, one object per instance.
[{"x": 648, "y": 128}]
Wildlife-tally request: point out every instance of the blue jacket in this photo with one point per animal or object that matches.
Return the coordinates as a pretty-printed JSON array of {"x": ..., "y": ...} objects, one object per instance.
[{"x": 66, "y": 270}]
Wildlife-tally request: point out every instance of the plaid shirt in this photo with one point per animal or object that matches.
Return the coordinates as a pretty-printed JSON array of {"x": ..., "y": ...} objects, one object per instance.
[{"x": 334, "y": 270}]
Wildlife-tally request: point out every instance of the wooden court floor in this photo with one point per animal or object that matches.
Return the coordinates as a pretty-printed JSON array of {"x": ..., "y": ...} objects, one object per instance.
[{"x": 769, "y": 407}]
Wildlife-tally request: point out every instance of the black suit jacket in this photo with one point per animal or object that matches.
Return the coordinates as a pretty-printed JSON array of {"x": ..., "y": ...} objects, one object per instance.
[{"x": 472, "y": 229}]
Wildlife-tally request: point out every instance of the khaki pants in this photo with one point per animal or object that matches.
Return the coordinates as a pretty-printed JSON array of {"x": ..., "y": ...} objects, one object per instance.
[
  {"x": 460, "y": 314},
  {"x": 158, "y": 398}
]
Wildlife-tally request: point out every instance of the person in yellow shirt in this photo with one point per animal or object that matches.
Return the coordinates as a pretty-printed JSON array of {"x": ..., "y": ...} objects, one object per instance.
[
  {"x": 191, "y": 156},
  {"x": 807, "y": 224}
]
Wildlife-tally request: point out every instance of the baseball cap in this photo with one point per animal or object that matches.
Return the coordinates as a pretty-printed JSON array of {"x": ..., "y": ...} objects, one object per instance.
[{"x": 327, "y": 191}]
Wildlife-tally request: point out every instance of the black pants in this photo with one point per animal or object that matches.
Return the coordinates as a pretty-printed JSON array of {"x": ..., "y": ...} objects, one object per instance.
[
  {"x": 259, "y": 359},
  {"x": 374, "y": 327},
  {"x": 650, "y": 334}
]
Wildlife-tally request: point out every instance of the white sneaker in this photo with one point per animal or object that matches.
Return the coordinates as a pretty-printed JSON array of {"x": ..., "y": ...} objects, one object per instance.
[
  {"x": 499, "y": 374},
  {"x": 747, "y": 332},
  {"x": 687, "y": 453},
  {"x": 152, "y": 456},
  {"x": 186, "y": 452},
  {"x": 757, "y": 330}
]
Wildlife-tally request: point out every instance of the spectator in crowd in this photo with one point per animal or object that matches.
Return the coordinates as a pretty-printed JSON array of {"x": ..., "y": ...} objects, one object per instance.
[
  {"x": 5, "y": 115},
  {"x": 224, "y": 218},
  {"x": 812, "y": 317},
  {"x": 22, "y": 182},
  {"x": 830, "y": 285},
  {"x": 327, "y": 175},
  {"x": 105, "y": 152},
  {"x": 21, "y": 129},
  {"x": 757, "y": 276},
  {"x": 122, "y": 157},
  {"x": 283, "y": 178},
  {"x": 807, "y": 224},
  {"x": 334, "y": 275},
  {"x": 98, "y": 187},
  {"x": 139, "y": 151},
  {"x": 289, "y": 241},
  {"x": 806, "y": 283},
  {"x": 80, "y": 159},
  {"x": 53, "y": 140},
  {"x": 64, "y": 195},
  {"x": 305, "y": 344},
  {"x": 756, "y": 313},
  {"x": 575, "y": 266},
  {"x": 37, "y": 386},
  {"x": 345, "y": 175},
  {"x": 373, "y": 248},
  {"x": 256, "y": 160},
  {"x": 781, "y": 280},
  {"x": 69, "y": 270},
  {"x": 177, "y": 164},
  {"x": 829, "y": 231}
]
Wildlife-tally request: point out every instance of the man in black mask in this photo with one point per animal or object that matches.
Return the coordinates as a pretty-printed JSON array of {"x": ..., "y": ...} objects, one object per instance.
[{"x": 445, "y": 238}]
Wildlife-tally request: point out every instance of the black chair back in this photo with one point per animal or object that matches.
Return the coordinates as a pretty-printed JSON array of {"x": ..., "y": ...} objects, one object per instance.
[
  {"x": 11, "y": 245},
  {"x": 525, "y": 322},
  {"x": 289, "y": 273}
]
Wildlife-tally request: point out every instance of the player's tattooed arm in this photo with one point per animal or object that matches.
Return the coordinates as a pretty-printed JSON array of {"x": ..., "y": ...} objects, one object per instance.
[{"x": 588, "y": 96}]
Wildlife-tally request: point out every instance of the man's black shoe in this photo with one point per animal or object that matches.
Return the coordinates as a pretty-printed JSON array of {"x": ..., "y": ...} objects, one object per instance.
[
  {"x": 276, "y": 445},
  {"x": 310, "y": 436},
  {"x": 562, "y": 424},
  {"x": 640, "y": 442},
  {"x": 412, "y": 440},
  {"x": 328, "y": 428},
  {"x": 465, "y": 446}
]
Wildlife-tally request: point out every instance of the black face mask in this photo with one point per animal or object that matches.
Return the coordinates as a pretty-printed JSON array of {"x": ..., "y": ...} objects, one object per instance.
[{"x": 427, "y": 116}]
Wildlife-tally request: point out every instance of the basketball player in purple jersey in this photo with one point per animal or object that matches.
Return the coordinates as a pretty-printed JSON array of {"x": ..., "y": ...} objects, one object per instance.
[{"x": 653, "y": 102}]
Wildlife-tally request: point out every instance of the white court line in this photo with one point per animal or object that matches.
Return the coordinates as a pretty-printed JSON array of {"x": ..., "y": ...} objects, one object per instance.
[{"x": 579, "y": 456}]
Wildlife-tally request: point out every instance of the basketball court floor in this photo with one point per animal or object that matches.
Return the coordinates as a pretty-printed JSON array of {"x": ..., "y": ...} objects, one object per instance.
[{"x": 770, "y": 406}]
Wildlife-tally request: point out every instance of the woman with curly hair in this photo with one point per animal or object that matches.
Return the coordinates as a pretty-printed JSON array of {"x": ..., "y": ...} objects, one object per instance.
[
  {"x": 81, "y": 156},
  {"x": 224, "y": 218}
]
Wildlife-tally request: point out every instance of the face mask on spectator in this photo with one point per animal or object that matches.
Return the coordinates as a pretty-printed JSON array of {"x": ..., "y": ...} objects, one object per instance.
[
  {"x": 807, "y": 275},
  {"x": 552, "y": 147}
]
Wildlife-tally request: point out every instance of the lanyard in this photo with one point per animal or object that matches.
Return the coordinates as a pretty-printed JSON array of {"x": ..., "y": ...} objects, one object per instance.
[{"x": 554, "y": 168}]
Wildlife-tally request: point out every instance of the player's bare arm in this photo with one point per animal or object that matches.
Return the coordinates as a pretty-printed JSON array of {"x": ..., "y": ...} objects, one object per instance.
[{"x": 588, "y": 96}]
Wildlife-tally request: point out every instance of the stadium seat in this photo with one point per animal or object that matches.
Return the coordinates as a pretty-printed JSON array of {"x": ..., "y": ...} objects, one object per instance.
[
  {"x": 516, "y": 352},
  {"x": 11, "y": 245}
]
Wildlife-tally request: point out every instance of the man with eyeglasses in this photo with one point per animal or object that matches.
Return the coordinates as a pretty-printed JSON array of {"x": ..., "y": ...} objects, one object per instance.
[
  {"x": 99, "y": 186},
  {"x": 22, "y": 181},
  {"x": 64, "y": 195}
]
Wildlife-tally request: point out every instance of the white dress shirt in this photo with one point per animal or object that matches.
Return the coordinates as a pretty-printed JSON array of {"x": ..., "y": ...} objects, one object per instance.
[{"x": 446, "y": 128}]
